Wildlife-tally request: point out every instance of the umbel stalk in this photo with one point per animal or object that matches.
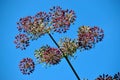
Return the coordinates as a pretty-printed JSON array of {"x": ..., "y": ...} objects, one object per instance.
[{"x": 65, "y": 57}]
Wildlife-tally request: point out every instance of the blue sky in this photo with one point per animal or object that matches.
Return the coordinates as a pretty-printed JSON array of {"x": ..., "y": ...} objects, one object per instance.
[{"x": 104, "y": 58}]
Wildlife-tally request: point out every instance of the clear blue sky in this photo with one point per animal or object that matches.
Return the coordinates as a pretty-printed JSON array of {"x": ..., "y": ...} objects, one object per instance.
[{"x": 104, "y": 58}]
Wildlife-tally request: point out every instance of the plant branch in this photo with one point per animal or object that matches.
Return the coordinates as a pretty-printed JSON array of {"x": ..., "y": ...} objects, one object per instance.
[{"x": 65, "y": 57}]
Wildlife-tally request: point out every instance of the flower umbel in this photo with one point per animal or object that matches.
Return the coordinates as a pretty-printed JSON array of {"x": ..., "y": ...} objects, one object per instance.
[
  {"x": 48, "y": 55},
  {"x": 21, "y": 41},
  {"x": 85, "y": 38},
  {"x": 41, "y": 23},
  {"x": 25, "y": 24},
  {"x": 35, "y": 26},
  {"x": 98, "y": 34},
  {"x": 68, "y": 46},
  {"x": 61, "y": 19},
  {"x": 39, "y": 53},
  {"x": 26, "y": 66},
  {"x": 104, "y": 77},
  {"x": 116, "y": 76},
  {"x": 89, "y": 36}
]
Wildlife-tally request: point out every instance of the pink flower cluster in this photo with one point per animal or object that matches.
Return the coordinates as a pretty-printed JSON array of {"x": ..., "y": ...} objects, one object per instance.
[
  {"x": 61, "y": 19},
  {"x": 26, "y": 66},
  {"x": 25, "y": 24},
  {"x": 21, "y": 41},
  {"x": 35, "y": 26},
  {"x": 68, "y": 46},
  {"x": 48, "y": 55},
  {"x": 57, "y": 20},
  {"x": 88, "y": 36},
  {"x": 98, "y": 34}
]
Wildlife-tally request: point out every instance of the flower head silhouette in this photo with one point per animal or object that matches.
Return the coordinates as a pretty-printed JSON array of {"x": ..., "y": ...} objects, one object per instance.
[
  {"x": 117, "y": 76},
  {"x": 104, "y": 77}
]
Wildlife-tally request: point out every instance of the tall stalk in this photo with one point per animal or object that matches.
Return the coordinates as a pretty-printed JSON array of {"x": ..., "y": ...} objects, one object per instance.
[{"x": 65, "y": 57}]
